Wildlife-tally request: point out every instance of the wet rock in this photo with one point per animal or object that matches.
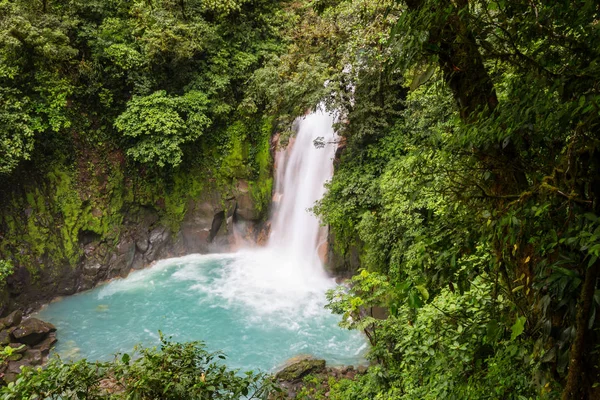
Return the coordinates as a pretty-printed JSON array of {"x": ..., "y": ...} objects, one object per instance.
[
  {"x": 33, "y": 357},
  {"x": 92, "y": 270},
  {"x": 157, "y": 241},
  {"x": 245, "y": 205},
  {"x": 138, "y": 263},
  {"x": 299, "y": 368},
  {"x": 142, "y": 245},
  {"x": 32, "y": 331},
  {"x": 158, "y": 235},
  {"x": 361, "y": 370},
  {"x": 13, "y": 319},
  {"x": 45, "y": 345},
  {"x": 125, "y": 247},
  {"x": 195, "y": 239},
  {"x": 4, "y": 338}
]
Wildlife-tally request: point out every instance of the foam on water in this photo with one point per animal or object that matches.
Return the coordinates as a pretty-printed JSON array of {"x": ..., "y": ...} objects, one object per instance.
[{"x": 203, "y": 298}]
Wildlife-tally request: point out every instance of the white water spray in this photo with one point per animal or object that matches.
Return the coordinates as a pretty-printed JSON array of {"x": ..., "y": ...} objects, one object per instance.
[
  {"x": 302, "y": 171},
  {"x": 286, "y": 278}
]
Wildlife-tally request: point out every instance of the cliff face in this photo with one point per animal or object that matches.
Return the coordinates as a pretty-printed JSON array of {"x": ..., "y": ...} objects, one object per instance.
[
  {"x": 71, "y": 225},
  {"x": 144, "y": 237}
]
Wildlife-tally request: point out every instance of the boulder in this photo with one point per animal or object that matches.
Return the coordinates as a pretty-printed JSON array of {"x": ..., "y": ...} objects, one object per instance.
[
  {"x": 13, "y": 319},
  {"x": 245, "y": 207},
  {"x": 300, "y": 367},
  {"x": 5, "y": 337},
  {"x": 14, "y": 367},
  {"x": 33, "y": 357},
  {"x": 32, "y": 331},
  {"x": 45, "y": 345},
  {"x": 362, "y": 369},
  {"x": 142, "y": 245}
]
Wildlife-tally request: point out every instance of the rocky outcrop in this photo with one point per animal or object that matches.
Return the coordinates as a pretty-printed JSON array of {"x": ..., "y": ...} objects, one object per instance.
[
  {"x": 298, "y": 367},
  {"x": 291, "y": 377},
  {"x": 207, "y": 226},
  {"x": 24, "y": 343},
  {"x": 343, "y": 264}
]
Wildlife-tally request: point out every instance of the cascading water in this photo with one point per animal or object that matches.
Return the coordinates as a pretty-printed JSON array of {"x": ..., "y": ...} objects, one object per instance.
[
  {"x": 302, "y": 172},
  {"x": 260, "y": 306}
]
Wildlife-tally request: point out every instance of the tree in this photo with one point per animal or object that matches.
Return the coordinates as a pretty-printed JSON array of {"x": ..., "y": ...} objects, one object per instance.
[{"x": 161, "y": 124}]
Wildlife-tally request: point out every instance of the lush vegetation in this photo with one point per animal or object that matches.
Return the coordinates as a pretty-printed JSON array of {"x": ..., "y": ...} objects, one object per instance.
[
  {"x": 469, "y": 184},
  {"x": 173, "y": 371},
  {"x": 110, "y": 108}
]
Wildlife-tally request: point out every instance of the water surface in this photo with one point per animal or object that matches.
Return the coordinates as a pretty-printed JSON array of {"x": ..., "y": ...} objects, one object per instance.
[{"x": 256, "y": 306}]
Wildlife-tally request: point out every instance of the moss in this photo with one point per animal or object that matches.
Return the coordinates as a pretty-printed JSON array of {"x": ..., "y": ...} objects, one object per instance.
[
  {"x": 41, "y": 225},
  {"x": 299, "y": 369},
  {"x": 235, "y": 161},
  {"x": 186, "y": 186},
  {"x": 261, "y": 191}
]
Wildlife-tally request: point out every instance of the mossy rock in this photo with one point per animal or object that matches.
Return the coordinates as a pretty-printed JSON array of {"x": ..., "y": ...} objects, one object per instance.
[
  {"x": 13, "y": 319},
  {"x": 298, "y": 369}
]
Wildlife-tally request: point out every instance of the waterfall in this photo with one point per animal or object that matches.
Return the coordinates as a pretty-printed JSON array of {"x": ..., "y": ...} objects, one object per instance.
[
  {"x": 259, "y": 305},
  {"x": 286, "y": 278},
  {"x": 301, "y": 173}
]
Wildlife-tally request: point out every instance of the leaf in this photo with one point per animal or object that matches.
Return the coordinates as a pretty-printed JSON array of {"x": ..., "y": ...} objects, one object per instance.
[
  {"x": 423, "y": 291},
  {"x": 423, "y": 77},
  {"x": 414, "y": 301},
  {"x": 125, "y": 358},
  {"x": 516, "y": 289},
  {"x": 518, "y": 328}
]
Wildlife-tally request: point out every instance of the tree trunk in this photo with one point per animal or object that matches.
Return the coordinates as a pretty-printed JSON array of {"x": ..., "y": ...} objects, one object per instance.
[
  {"x": 472, "y": 88},
  {"x": 576, "y": 387}
]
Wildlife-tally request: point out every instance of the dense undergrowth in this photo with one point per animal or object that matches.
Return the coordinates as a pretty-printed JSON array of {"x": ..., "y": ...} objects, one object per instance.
[{"x": 469, "y": 183}]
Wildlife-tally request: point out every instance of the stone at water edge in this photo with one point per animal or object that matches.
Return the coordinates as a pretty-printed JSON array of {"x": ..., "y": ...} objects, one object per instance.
[
  {"x": 46, "y": 345},
  {"x": 32, "y": 331},
  {"x": 298, "y": 367}
]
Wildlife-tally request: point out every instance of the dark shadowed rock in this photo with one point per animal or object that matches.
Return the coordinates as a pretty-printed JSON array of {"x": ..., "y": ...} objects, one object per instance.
[
  {"x": 32, "y": 331},
  {"x": 300, "y": 367},
  {"x": 13, "y": 319},
  {"x": 45, "y": 345},
  {"x": 5, "y": 337}
]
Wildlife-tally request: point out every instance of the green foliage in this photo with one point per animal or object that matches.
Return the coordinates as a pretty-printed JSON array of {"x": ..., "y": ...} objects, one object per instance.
[
  {"x": 162, "y": 124},
  {"x": 122, "y": 107},
  {"x": 470, "y": 153},
  {"x": 16, "y": 136},
  {"x": 6, "y": 270},
  {"x": 174, "y": 371}
]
